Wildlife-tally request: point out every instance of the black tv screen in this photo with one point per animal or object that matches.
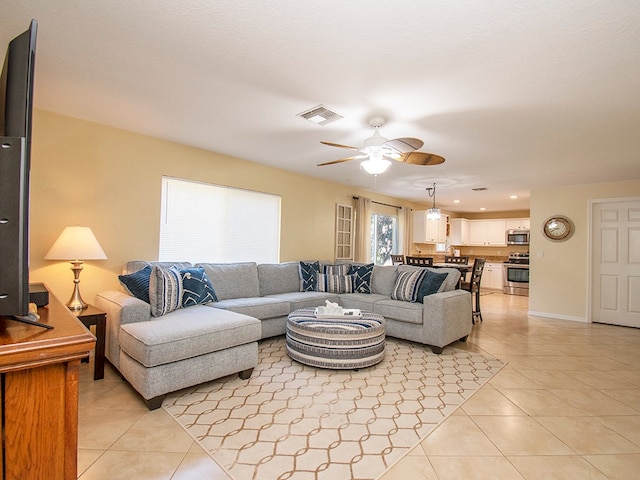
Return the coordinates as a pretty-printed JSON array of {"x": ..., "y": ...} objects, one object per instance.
[{"x": 16, "y": 108}]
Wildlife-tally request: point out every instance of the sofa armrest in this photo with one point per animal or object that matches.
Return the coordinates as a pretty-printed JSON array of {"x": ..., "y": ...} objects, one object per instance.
[
  {"x": 120, "y": 309},
  {"x": 123, "y": 308},
  {"x": 447, "y": 316}
]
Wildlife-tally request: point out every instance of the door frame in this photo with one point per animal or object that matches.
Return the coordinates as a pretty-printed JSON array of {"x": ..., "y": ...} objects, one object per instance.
[{"x": 590, "y": 267}]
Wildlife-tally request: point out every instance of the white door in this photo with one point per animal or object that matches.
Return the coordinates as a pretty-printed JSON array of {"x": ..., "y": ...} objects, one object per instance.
[{"x": 615, "y": 261}]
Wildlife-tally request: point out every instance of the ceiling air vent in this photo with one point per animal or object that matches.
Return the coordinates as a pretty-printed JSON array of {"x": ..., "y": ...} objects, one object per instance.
[
  {"x": 479, "y": 189},
  {"x": 320, "y": 115}
]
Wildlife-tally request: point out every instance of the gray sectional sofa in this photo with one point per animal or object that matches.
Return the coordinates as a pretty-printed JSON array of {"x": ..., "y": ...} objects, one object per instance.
[{"x": 189, "y": 346}]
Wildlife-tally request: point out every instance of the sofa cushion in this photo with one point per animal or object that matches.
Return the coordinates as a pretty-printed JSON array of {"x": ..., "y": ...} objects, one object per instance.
[
  {"x": 305, "y": 299},
  {"x": 309, "y": 276},
  {"x": 259, "y": 307},
  {"x": 362, "y": 301},
  {"x": 137, "y": 283},
  {"x": 361, "y": 277},
  {"x": 335, "y": 283},
  {"x": 406, "y": 286},
  {"x": 408, "y": 312},
  {"x": 383, "y": 279},
  {"x": 278, "y": 277},
  {"x": 233, "y": 280},
  {"x": 196, "y": 287},
  {"x": 165, "y": 290},
  {"x": 186, "y": 333},
  {"x": 431, "y": 283}
]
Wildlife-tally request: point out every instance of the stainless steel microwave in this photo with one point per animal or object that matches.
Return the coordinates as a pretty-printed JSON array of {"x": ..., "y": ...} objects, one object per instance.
[{"x": 518, "y": 237}]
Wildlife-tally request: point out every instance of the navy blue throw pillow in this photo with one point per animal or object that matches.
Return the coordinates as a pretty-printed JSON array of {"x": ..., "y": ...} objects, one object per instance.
[
  {"x": 137, "y": 283},
  {"x": 309, "y": 276},
  {"x": 361, "y": 277},
  {"x": 197, "y": 288},
  {"x": 431, "y": 282}
]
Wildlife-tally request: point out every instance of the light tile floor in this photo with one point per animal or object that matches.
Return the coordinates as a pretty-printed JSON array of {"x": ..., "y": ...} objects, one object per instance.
[{"x": 566, "y": 406}]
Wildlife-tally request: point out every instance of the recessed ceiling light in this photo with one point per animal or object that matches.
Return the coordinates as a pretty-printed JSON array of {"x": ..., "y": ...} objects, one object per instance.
[
  {"x": 456, "y": 201},
  {"x": 513, "y": 197},
  {"x": 482, "y": 209}
]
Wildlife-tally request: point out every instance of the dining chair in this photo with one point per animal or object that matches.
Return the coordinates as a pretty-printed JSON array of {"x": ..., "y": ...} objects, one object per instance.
[
  {"x": 473, "y": 287},
  {"x": 462, "y": 260},
  {"x": 397, "y": 259},
  {"x": 420, "y": 261}
]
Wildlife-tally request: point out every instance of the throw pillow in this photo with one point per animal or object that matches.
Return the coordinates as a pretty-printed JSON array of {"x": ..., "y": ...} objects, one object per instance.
[
  {"x": 309, "y": 276},
  {"x": 196, "y": 287},
  {"x": 406, "y": 286},
  {"x": 341, "y": 269},
  {"x": 361, "y": 277},
  {"x": 335, "y": 283},
  {"x": 430, "y": 284},
  {"x": 137, "y": 283},
  {"x": 165, "y": 290}
]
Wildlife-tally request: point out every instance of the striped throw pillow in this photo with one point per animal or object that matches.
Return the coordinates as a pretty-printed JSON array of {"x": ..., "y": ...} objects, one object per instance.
[
  {"x": 335, "y": 283},
  {"x": 407, "y": 285}
]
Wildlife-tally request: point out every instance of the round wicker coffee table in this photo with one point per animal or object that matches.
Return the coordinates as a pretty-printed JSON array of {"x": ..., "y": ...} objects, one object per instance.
[{"x": 336, "y": 343}]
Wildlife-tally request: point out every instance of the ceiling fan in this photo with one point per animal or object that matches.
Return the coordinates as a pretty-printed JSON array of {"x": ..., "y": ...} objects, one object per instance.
[{"x": 378, "y": 150}]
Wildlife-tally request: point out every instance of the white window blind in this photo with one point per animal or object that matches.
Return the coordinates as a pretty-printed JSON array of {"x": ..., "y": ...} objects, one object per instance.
[{"x": 210, "y": 223}]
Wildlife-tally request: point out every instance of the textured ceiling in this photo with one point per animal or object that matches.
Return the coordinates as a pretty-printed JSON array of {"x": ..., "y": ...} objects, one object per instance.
[{"x": 515, "y": 95}]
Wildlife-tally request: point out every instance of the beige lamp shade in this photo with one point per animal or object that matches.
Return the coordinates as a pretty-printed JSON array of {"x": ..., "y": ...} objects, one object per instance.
[{"x": 76, "y": 243}]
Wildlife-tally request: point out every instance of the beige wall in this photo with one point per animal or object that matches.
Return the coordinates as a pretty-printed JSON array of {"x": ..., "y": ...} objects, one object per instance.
[
  {"x": 88, "y": 174},
  {"x": 109, "y": 179},
  {"x": 559, "y": 271}
]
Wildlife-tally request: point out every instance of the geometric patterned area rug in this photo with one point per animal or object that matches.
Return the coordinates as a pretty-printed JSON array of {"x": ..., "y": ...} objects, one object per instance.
[{"x": 292, "y": 421}]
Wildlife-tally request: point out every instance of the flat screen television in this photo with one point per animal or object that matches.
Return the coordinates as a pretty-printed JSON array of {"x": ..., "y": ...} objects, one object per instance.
[{"x": 16, "y": 107}]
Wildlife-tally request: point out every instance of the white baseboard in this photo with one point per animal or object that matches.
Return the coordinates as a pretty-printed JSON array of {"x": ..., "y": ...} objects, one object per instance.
[{"x": 557, "y": 316}]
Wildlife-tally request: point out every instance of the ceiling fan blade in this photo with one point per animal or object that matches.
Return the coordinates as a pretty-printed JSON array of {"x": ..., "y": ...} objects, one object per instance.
[
  {"x": 403, "y": 145},
  {"x": 421, "y": 158},
  {"x": 339, "y": 161},
  {"x": 339, "y": 145}
]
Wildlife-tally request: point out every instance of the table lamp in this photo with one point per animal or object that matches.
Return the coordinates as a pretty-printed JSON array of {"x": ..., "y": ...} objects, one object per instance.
[{"x": 76, "y": 244}]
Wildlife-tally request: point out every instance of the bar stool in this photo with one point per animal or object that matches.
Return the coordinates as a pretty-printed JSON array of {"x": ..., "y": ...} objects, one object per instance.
[
  {"x": 397, "y": 259},
  {"x": 473, "y": 287},
  {"x": 420, "y": 261}
]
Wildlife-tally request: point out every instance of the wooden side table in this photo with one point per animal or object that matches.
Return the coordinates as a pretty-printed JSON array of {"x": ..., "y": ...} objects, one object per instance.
[{"x": 93, "y": 316}]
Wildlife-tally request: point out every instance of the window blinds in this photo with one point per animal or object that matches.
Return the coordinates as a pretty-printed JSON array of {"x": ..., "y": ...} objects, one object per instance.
[{"x": 211, "y": 223}]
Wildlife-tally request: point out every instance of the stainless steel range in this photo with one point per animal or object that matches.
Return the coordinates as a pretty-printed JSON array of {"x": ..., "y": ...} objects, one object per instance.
[{"x": 515, "y": 273}]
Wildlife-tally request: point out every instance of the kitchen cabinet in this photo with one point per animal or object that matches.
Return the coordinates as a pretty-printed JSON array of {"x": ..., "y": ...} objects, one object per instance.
[
  {"x": 459, "y": 231},
  {"x": 429, "y": 231},
  {"x": 518, "y": 224},
  {"x": 487, "y": 233},
  {"x": 492, "y": 276}
]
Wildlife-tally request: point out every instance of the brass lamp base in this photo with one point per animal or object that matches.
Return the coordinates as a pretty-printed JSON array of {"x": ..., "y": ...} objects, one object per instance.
[{"x": 76, "y": 303}]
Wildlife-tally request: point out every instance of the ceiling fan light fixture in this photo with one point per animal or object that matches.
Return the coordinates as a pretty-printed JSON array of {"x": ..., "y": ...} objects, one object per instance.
[{"x": 375, "y": 165}]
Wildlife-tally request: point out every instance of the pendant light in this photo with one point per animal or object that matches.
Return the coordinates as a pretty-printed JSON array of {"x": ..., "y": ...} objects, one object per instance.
[{"x": 433, "y": 213}]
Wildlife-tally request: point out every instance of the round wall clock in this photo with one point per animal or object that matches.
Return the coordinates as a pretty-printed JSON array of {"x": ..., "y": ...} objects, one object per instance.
[{"x": 558, "y": 228}]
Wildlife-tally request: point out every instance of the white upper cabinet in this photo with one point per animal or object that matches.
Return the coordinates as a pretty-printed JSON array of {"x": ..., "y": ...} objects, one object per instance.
[
  {"x": 490, "y": 232},
  {"x": 487, "y": 232},
  {"x": 518, "y": 224},
  {"x": 429, "y": 231},
  {"x": 459, "y": 231}
]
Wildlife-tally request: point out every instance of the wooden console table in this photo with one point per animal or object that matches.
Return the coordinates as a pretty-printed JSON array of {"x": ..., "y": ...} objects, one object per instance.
[{"x": 39, "y": 370}]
